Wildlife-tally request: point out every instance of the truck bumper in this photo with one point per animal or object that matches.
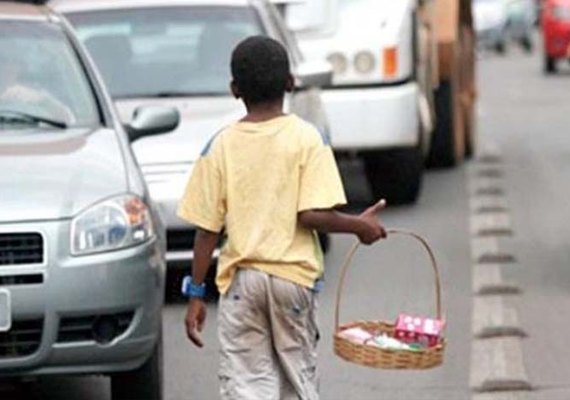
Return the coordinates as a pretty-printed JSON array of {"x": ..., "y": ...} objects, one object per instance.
[{"x": 373, "y": 117}]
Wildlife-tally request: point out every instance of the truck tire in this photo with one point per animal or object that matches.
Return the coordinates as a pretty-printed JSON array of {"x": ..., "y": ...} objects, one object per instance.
[
  {"x": 443, "y": 152},
  {"x": 395, "y": 175},
  {"x": 144, "y": 383},
  {"x": 549, "y": 64}
]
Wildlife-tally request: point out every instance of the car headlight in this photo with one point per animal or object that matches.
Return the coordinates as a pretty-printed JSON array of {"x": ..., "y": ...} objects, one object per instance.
[
  {"x": 114, "y": 224},
  {"x": 364, "y": 62},
  {"x": 339, "y": 63}
]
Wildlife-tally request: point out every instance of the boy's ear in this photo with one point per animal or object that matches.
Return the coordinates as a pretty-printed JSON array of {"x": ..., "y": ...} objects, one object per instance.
[
  {"x": 290, "y": 86},
  {"x": 235, "y": 90}
]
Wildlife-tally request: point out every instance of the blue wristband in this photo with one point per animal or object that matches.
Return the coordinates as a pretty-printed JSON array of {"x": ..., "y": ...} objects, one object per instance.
[{"x": 190, "y": 289}]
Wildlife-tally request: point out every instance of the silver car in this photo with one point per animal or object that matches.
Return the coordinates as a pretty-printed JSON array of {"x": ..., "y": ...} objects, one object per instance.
[
  {"x": 177, "y": 53},
  {"x": 82, "y": 266}
]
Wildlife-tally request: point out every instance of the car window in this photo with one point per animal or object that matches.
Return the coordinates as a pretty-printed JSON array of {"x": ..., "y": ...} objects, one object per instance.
[
  {"x": 153, "y": 52},
  {"x": 41, "y": 76}
]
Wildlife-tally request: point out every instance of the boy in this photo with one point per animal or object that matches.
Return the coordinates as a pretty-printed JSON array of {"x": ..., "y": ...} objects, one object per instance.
[{"x": 270, "y": 180}]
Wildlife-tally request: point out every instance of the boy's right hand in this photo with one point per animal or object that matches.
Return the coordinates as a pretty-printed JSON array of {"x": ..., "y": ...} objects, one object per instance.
[
  {"x": 194, "y": 321},
  {"x": 372, "y": 229}
]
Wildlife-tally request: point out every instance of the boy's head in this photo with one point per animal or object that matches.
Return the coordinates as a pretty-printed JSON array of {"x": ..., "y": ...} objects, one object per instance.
[{"x": 260, "y": 70}]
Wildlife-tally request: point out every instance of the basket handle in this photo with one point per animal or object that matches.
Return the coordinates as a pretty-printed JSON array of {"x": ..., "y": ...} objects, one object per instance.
[{"x": 355, "y": 247}]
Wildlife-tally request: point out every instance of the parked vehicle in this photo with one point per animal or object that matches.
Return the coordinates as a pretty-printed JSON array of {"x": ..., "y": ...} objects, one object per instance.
[
  {"x": 521, "y": 16},
  {"x": 176, "y": 53},
  {"x": 491, "y": 24},
  {"x": 401, "y": 69},
  {"x": 81, "y": 247},
  {"x": 378, "y": 106},
  {"x": 555, "y": 22}
]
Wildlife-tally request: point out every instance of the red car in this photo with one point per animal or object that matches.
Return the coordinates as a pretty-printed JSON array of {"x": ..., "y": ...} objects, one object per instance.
[{"x": 556, "y": 32}]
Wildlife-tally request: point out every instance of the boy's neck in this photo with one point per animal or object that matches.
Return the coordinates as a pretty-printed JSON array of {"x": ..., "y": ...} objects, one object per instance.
[{"x": 264, "y": 111}]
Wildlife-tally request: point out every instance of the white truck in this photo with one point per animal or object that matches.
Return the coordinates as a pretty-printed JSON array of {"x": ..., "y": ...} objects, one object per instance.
[
  {"x": 380, "y": 106},
  {"x": 403, "y": 92}
]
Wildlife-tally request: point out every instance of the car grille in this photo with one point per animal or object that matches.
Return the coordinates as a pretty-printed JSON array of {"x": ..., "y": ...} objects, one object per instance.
[
  {"x": 81, "y": 329},
  {"x": 21, "y": 248},
  {"x": 22, "y": 340},
  {"x": 180, "y": 239}
]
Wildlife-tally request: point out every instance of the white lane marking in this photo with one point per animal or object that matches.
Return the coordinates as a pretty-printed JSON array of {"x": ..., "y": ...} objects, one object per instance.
[
  {"x": 499, "y": 365},
  {"x": 488, "y": 280},
  {"x": 502, "y": 396},
  {"x": 482, "y": 224},
  {"x": 479, "y": 204},
  {"x": 493, "y": 317}
]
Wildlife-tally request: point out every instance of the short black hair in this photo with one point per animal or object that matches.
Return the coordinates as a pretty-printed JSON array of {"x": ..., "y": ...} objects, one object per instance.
[{"x": 260, "y": 69}]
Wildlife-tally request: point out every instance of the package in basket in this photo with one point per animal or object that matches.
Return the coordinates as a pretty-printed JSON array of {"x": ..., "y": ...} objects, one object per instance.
[{"x": 426, "y": 331}]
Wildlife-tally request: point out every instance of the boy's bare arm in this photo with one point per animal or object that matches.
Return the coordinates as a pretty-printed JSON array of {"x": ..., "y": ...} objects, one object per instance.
[
  {"x": 204, "y": 247},
  {"x": 366, "y": 226}
]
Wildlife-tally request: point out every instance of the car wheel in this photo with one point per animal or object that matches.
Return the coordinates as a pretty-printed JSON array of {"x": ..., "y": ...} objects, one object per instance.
[
  {"x": 443, "y": 150},
  {"x": 144, "y": 383},
  {"x": 501, "y": 47},
  {"x": 549, "y": 64},
  {"x": 395, "y": 175},
  {"x": 527, "y": 44}
]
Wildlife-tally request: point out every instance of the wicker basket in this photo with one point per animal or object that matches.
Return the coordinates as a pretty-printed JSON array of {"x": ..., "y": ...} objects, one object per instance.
[{"x": 376, "y": 357}]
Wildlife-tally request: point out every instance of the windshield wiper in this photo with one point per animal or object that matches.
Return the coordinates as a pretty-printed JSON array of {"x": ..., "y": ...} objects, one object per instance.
[{"x": 7, "y": 116}]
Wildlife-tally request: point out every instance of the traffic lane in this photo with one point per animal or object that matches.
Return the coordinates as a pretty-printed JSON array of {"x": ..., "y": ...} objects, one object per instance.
[
  {"x": 528, "y": 114},
  {"x": 386, "y": 279}
]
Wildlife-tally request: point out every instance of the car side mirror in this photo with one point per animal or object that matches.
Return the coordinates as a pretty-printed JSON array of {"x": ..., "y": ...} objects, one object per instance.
[
  {"x": 152, "y": 120},
  {"x": 313, "y": 74}
]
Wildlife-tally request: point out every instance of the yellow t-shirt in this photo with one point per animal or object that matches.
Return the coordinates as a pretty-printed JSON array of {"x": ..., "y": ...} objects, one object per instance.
[{"x": 253, "y": 179}]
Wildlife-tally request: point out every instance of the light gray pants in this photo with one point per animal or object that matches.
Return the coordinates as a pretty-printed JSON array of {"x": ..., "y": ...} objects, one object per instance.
[{"x": 268, "y": 335}]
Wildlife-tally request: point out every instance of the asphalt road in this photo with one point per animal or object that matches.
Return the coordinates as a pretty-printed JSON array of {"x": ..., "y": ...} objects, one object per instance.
[{"x": 529, "y": 116}]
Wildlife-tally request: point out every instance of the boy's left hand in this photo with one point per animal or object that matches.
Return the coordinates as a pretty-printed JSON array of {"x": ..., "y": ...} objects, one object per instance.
[{"x": 195, "y": 318}]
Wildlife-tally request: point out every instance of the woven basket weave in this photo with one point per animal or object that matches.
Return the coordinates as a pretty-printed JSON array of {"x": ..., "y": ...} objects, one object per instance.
[{"x": 376, "y": 357}]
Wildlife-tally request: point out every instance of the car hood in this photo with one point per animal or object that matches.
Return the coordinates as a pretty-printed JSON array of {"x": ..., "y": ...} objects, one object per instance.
[
  {"x": 55, "y": 175},
  {"x": 200, "y": 119}
]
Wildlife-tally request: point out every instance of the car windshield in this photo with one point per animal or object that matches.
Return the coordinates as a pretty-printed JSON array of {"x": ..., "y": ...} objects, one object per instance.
[
  {"x": 162, "y": 52},
  {"x": 41, "y": 79}
]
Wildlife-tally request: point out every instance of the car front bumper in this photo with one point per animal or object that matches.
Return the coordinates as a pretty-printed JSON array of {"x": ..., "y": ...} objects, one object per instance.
[
  {"x": 374, "y": 117},
  {"x": 70, "y": 294}
]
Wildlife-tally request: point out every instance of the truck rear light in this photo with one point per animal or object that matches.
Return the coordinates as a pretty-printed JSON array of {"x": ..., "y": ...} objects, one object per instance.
[{"x": 390, "y": 62}]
